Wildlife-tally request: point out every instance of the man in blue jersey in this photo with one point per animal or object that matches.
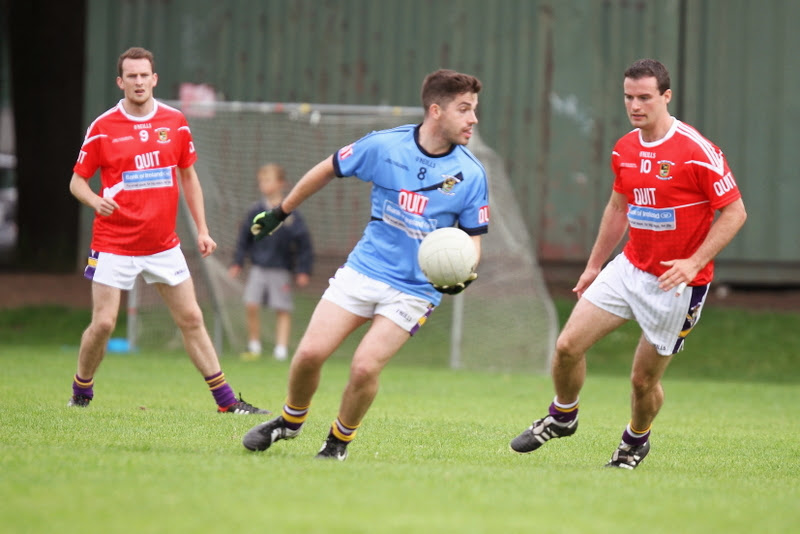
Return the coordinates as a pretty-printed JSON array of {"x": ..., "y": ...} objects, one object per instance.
[{"x": 423, "y": 178}]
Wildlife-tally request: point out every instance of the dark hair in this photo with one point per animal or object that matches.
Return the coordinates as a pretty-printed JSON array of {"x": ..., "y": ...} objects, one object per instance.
[
  {"x": 136, "y": 52},
  {"x": 441, "y": 86},
  {"x": 644, "y": 68}
]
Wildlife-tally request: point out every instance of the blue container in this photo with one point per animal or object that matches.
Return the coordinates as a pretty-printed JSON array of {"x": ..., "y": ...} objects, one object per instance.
[{"x": 119, "y": 345}]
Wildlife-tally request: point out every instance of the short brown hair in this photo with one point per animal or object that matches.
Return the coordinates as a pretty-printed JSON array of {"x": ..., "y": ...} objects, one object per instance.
[
  {"x": 645, "y": 68},
  {"x": 277, "y": 169},
  {"x": 441, "y": 86},
  {"x": 136, "y": 52}
]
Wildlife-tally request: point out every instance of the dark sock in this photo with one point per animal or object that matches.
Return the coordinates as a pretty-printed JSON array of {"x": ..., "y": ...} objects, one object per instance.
[
  {"x": 223, "y": 394},
  {"x": 633, "y": 438},
  {"x": 562, "y": 415},
  {"x": 82, "y": 386}
]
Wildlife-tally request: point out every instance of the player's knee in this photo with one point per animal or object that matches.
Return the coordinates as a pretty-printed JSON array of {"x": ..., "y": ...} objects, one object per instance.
[
  {"x": 643, "y": 384},
  {"x": 363, "y": 372},
  {"x": 566, "y": 348},
  {"x": 190, "y": 319},
  {"x": 308, "y": 357},
  {"x": 104, "y": 326}
]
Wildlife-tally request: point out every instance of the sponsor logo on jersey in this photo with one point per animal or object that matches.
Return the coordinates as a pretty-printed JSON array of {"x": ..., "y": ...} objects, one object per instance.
[
  {"x": 483, "y": 215},
  {"x": 644, "y": 196},
  {"x": 413, "y": 225},
  {"x": 450, "y": 182},
  {"x": 626, "y": 165},
  {"x": 724, "y": 185},
  {"x": 121, "y": 139},
  {"x": 345, "y": 152},
  {"x": 654, "y": 219},
  {"x": 147, "y": 179},
  {"x": 412, "y": 202},
  {"x": 148, "y": 160},
  {"x": 163, "y": 135},
  {"x": 665, "y": 170},
  {"x": 142, "y": 126}
]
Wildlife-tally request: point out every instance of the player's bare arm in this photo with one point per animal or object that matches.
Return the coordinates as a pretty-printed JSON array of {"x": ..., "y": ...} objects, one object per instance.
[
  {"x": 315, "y": 179},
  {"x": 80, "y": 189},
  {"x": 731, "y": 219},
  {"x": 613, "y": 226},
  {"x": 190, "y": 184}
]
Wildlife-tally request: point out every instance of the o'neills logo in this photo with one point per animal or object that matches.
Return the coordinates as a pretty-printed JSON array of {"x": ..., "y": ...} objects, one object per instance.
[{"x": 412, "y": 202}]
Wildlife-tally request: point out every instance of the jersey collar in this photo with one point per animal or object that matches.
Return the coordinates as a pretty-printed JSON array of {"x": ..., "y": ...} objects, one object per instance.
[
  {"x": 135, "y": 118},
  {"x": 666, "y": 137},
  {"x": 416, "y": 140}
]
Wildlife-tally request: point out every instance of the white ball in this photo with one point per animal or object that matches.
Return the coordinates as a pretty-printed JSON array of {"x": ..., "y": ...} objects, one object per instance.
[{"x": 447, "y": 256}]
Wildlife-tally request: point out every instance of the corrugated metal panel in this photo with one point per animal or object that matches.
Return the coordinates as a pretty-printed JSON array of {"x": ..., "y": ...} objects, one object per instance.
[
  {"x": 552, "y": 103},
  {"x": 741, "y": 78}
]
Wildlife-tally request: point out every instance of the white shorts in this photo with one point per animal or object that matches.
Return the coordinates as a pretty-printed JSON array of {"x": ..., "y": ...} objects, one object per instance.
[
  {"x": 631, "y": 293},
  {"x": 269, "y": 286},
  {"x": 367, "y": 297},
  {"x": 168, "y": 267}
]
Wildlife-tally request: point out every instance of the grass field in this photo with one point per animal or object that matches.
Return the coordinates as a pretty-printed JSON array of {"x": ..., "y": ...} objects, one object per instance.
[{"x": 150, "y": 454}]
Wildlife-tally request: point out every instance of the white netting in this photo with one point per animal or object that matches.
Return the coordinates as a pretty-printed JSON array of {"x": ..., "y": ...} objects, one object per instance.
[{"x": 505, "y": 321}]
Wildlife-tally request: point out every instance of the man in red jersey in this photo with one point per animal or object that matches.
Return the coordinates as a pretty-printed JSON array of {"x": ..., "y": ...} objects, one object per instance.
[
  {"x": 143, "y": 148},
  {"x": 669, "y": 182}
]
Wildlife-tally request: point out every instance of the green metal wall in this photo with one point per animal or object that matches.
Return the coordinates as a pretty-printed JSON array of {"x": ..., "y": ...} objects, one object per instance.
[
  {"x": 552, "y": 71},
  {"x": 741, "y": 79}
]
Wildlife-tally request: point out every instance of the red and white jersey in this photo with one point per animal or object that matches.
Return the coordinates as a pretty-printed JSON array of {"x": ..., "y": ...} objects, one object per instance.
[
  {"x": 137, "y": 158},
  {"x": 673, "y": 187}
]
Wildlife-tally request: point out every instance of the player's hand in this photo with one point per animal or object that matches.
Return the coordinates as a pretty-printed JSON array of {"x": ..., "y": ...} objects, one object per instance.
[
  {"x": 105, "y": 206},
  {"x": 206, "y": 245},
  {"x": 585, "y": 280},
  {"x": 267, "y": 222},
  {"x": 681, "y": 271},
  {"x": 456, "y": 288}
]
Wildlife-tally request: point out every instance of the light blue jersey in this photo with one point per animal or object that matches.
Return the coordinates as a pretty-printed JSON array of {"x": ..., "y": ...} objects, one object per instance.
[{"x": 413, "y": 193}]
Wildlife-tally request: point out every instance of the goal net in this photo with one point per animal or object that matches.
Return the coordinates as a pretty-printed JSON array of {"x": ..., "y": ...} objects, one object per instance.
[{"x": 505, "y": 321}]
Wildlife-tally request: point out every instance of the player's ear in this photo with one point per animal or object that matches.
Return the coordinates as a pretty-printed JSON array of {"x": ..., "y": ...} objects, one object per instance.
[
  {"x": 119, "y": 83},
  {"x": 155, "y": 79},
  {"x": 668, "y": 95}
]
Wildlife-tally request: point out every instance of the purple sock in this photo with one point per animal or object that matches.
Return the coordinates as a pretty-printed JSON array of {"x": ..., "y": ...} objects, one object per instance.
[
  {"x": 223, "y": 394},
  {"x": 82, "y": 386},
  {"x": 563, "y": 417},
  {"x": 632, "y": 441}
]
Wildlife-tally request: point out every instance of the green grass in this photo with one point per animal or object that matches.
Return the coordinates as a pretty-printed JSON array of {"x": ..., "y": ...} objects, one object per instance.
[{"x": 150, "y": 454}]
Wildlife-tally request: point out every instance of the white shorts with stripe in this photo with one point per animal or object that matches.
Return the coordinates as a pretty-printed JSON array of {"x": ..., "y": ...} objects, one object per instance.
[
  {"x": 167, "y": 267},
  {"x": 630, "y": 293},
  {"x": 366, "y": 297}
]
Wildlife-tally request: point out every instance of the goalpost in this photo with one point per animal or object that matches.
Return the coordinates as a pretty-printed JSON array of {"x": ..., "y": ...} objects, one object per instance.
[{"x": 505, "y": 321}]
